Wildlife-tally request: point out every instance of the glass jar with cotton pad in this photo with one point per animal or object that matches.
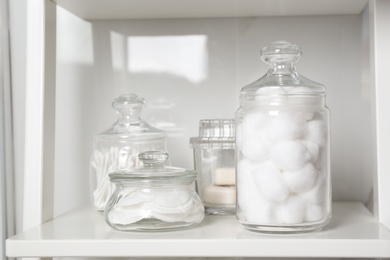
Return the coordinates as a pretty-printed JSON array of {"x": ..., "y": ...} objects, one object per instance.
[
  {"x": 154, "y": 197},
  {"x": 214, "y": 161},
  {"x": 118, "y": 147},
  {"x": 282, "y": 148}
]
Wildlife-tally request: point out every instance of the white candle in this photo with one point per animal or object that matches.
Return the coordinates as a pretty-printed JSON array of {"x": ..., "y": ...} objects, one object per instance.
[
  {"x": 225, "y": 176},
  {"x": 220, "y": 195}
]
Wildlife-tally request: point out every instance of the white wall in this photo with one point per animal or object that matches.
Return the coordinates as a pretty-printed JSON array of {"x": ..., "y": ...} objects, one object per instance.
[{"x": 99, "y": 60}]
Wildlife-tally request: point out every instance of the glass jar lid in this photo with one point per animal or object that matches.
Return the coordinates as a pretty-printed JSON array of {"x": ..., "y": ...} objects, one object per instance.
[
  {"x": 129, "y": 108},
  {"x": 153, "y": 170},
  {"x": 281, "y": 79},
  {"x": 215, "y": 133}
]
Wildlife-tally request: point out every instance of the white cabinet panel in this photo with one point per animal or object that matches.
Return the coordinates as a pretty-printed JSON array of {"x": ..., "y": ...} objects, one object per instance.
[
  {"x": 353, "y": 232},
  {"x": 380, "y": 41},
  {"x": 152, "y": 9},
  {"x": 191, "y": 68}
]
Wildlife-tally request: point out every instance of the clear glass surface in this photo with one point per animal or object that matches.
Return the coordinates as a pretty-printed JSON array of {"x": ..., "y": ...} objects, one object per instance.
[
  {"x": 118, "y": 147},
  {"x": 154, "y": 197},
  {"x": 214, "y": 160},
  {"x": 282, "y": 148}
]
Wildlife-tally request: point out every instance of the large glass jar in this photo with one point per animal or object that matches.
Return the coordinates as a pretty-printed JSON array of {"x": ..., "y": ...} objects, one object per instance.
[
  {"x": 154, "y": 197},
  {"x": 214, "y": 161},
  {"x": 282, "y": 148},
  {"x": 118, "y": 147}
]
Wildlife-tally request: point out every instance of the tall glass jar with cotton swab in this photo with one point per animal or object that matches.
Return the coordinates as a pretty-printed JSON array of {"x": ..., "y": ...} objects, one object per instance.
[
  {"x": 118, "y": 147},
  {"x": 282, "y": 148}
]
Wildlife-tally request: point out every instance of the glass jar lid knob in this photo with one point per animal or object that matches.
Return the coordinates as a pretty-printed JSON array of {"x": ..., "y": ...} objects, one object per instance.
[
  {"x": 128, "y": 102},
  {"x": 153, "y": 158},
  {"x": 280, "y": 51}
]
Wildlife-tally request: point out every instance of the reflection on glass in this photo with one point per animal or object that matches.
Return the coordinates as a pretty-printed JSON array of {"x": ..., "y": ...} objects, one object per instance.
[{"x": 162, "y": 115}]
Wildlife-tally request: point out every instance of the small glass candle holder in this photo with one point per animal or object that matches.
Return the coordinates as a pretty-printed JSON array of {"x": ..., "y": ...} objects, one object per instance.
[{"x": 214, "y": 160}]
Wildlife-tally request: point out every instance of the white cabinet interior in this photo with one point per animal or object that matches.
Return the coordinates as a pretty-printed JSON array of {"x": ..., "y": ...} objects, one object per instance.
[{"x": 215, "y": 53}]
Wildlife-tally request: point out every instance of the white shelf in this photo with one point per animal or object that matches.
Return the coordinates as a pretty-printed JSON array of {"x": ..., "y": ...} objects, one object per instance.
[
  {"x": 150, "y": 9},
  {"x": 353, "y": 232}
]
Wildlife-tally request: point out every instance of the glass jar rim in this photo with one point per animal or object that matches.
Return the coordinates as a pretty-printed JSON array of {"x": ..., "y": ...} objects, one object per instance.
[
  {"x": 166, "y": 175},
  {"x": 215, "y": 133},
  {"x": 152, "y": 168}
]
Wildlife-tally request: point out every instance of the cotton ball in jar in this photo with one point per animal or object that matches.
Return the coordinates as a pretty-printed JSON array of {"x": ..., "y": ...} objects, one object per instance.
[
  {"x": 316, "y": 132},
  {"x": 290, "y": 155},
  {"x": 268, "y": 179},
  {"x": 246, "y": 188},
  {"x": 314, "y": 212},
  {"x": 320, "y": 163},
  {"x": 254, "y": 122},
  {"x": 305, "y": 116},
  {"x": 251, "y": 124},
  {"x": 301, "y": 180},
  {"x": 292, "y": 211},
  {"x": 266, "y": 91},
  {"x": 238, "y": 137},
  {"x": 301, "y": 90},
  {"x": 255, "y": 147},
  {"x": 262, "y": 212},
  {"x": 286, "y": 126},
  {"x": 319, "y": 192},
  {"x": 313, "y": 149}
]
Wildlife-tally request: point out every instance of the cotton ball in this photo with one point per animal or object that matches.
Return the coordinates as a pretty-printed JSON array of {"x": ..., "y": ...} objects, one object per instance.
[
  {"x": 246, "y": 188},
  {"x": 314, "y": 212},
  {"x": 304, "y": 115},
  {"x": 316, "y": 132},
  {"x": 286, "y": 126},
  {"x": 313, "y": 149},
  {"x": 301, "y": 116},
  {"x": 268, "y": 179},
  {"x": 319, "y": 192},
  {"x": 262, "y": 211},
  {"x": 301, "y": 90},
  {"x": 245, "y": 166},
  {"x": 238, "y": 137},
  {"x": 292, "y": 211},
  {"x": 255, "y": 148},
  {"x": 321, "y": 162},
  {"x": 290, "y": 155},
  {"x": 254, "y": 122},
  {"x": 271, "y": 91},
  {"x": 301, "y": 180}
]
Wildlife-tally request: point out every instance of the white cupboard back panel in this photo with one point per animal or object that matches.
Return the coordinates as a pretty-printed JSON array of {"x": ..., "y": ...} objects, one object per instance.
[
  {"x": 191, "y": 69},
  {"x": 201, "y": 258}
]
